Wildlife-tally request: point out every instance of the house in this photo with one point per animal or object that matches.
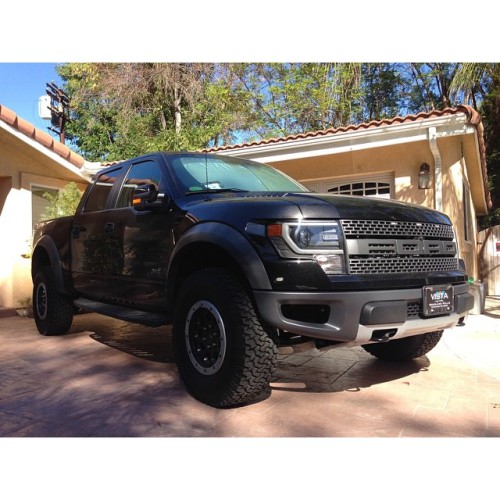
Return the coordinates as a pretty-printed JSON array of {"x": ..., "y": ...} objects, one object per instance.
[
  {"x": 434, "y": 159},
  {"x": 31, "y": 164}
]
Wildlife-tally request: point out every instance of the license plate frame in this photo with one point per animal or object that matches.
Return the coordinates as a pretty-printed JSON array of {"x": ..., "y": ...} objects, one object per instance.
[{"x": 437, "y": 300}]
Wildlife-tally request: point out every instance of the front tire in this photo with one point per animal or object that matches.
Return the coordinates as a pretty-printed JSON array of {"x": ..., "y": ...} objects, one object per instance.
[
  {"x": 224, "y": 355},
  {"x": 405, "y": 349},
  {"x": 53, "y": 311}
]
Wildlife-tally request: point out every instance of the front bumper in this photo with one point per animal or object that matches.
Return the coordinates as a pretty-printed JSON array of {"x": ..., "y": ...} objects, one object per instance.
[{"x": 359, "y": 317}]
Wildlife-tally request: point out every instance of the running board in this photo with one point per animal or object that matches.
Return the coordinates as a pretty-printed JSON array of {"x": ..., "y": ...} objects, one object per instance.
[{"x": 126, "y": 314}]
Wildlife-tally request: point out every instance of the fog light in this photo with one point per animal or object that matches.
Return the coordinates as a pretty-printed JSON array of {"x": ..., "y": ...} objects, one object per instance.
[{"x": 331, "y": 264}]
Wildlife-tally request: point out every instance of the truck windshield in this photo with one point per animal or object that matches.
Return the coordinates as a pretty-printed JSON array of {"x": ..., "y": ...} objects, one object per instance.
[{"x": 201, "y": 173}]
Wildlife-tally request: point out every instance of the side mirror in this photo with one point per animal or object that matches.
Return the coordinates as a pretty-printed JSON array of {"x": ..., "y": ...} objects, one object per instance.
[{"x": 143, "y": 195}]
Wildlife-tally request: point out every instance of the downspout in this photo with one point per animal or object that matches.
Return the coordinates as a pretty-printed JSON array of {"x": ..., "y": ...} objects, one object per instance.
[{"x": 438, "y": 174}]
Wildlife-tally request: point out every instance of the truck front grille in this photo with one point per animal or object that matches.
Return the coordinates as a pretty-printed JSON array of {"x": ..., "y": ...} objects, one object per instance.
[
  {"x": 405, "y": 229},
  {"x": 399, "y": 247},
  {"x": 413, "y": 309},
  {"x": 403, "y": 264}
]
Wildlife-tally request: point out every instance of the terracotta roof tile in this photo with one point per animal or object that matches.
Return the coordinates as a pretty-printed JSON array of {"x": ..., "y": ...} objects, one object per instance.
[
  {"x": 24, "y": 127},
  {"x": 43, "y": 138},
  {"x": 7, "y": 115},
  {"x": 473, "y": 117}
]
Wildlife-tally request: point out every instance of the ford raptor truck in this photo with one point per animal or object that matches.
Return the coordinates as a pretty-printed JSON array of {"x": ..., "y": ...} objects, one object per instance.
[{"x": 241, "y": 259}]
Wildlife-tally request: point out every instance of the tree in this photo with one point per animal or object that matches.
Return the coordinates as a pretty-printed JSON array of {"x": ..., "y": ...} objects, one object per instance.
[
  {"x": 93, "y": 118},
  {"x": 121, "y": 110},
  {"x": 62, "y": 203},
  {"x": 385, "y": 90},
  {"x": 431, "y": 85},
  {"x": 294, "y": 98}
]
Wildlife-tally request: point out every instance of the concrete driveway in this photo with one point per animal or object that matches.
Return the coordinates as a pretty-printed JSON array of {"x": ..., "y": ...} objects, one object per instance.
[{"x": 108, "y": 378}]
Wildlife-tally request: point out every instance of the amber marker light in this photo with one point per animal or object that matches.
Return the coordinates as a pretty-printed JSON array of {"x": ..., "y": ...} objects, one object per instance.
[{"x": 274, "y": 230}]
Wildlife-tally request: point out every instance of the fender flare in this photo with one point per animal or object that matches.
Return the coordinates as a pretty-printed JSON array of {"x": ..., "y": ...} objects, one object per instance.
[
  {"x": 47, "y": 244},
  {"x": 231, "y": 241}
]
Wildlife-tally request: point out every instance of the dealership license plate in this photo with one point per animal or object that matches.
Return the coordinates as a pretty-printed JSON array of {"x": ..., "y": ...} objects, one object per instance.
[{"x": 437, "y": 299}]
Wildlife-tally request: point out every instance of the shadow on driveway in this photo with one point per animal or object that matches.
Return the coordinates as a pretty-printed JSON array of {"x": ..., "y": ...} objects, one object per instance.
[{"x": 309, "y": 371}]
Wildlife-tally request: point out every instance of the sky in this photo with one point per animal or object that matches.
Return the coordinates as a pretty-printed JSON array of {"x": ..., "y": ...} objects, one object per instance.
[{"x": 22, "y": 84}]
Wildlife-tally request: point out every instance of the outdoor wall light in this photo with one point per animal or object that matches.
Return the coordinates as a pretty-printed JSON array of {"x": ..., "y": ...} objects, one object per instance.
[{"x": 424, "y": 176}]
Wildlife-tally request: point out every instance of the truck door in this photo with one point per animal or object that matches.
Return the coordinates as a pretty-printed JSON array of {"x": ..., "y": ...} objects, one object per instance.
[
  {"x": 144, "y": 236},
  {"x": 96, "y": 252}
]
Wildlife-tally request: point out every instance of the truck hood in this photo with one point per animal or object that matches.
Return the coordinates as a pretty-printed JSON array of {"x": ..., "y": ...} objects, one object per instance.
[
  {"x": 359, "y": 207},
  {"x": 267, "y": 205}
]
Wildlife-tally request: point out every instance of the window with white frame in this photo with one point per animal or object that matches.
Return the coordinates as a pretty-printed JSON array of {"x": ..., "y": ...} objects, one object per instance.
[
  {"x": 379, "y": 186},
  {"x": 39, "y": 204}
]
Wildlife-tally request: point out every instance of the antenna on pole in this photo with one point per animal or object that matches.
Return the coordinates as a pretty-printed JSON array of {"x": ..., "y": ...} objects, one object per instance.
[{"x": 57, "y": 103}]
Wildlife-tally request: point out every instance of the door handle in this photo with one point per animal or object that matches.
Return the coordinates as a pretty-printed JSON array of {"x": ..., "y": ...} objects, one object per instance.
[{"x": 77, "y": 230}]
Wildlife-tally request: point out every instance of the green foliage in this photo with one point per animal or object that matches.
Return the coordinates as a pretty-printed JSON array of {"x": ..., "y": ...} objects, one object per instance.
[
  {"x": 26, "y": 304},
  {"x": 384, "y": 88},
  {"x": 123, "y": 110},
  {"x": 62, "y": 203},
  {"x": 294, "y": 98}
]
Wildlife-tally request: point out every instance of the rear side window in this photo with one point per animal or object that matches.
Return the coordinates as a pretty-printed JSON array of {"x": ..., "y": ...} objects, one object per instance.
[{"x": 98, "y": 197}]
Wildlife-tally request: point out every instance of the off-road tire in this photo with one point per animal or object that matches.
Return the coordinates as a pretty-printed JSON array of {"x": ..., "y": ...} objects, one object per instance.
[
  {"x": 53, "y": 311},
  {"x": 405, "y": 349},
  {"x": 224, "y": 355}
]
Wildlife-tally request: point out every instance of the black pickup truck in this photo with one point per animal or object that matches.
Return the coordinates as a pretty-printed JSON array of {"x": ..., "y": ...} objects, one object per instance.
[{"x": 241, "y": 259}]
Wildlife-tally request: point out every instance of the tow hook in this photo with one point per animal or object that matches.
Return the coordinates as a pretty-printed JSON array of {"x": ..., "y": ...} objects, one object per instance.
[{"x": 383, "y": 335}]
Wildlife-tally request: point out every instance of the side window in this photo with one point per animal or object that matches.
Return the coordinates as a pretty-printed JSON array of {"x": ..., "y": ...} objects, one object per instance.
[
  {"x": 146, "y": 172},
  {"x": 99, "y": 194}
]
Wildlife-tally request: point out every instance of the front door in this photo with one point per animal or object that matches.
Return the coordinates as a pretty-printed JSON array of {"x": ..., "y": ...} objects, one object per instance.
[{"x": 144, "y": 237}]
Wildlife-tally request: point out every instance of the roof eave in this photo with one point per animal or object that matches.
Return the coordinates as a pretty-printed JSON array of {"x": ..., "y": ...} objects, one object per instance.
[
  {"x": 43, "y": 150},
  {"x": 341, "y": 142}
]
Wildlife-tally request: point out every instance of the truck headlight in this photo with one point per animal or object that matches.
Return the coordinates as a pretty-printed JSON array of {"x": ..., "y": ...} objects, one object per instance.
[
  {"x": 312, "y": 237},
  {"x": 322, "y": 241}
]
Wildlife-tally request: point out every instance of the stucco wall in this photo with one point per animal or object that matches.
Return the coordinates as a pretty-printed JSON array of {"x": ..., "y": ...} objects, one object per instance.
[
  {"x": 19, "y": 170},
  {"x": 455, "y": 177},
  {"x": 15, "y": 232}
]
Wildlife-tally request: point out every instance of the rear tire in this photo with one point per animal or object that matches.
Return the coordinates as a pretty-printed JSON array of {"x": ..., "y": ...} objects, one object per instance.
[
  {"x": 53, "y": 311},
  {"x": 405, "y": 349},
  {"x": 224, "y": 355}
]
